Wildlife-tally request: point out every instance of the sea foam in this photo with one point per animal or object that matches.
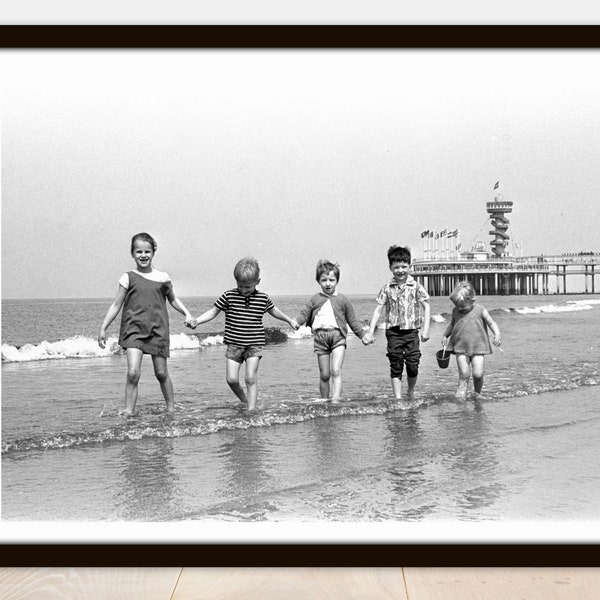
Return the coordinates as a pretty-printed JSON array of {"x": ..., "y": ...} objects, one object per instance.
[{"x": 85, "y": 347}]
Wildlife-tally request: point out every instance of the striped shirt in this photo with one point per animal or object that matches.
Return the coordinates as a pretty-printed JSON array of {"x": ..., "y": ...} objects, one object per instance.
[{"x": 243, "y": 317}]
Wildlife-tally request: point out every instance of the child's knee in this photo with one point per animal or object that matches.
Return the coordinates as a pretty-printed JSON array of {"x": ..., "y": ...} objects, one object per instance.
[
  {"x": 412, "y": 360},
  {"x": 232, "y": 379},
  {"x": 133, "y": 375},
  {"x": 336, "y": 371},
  {"x": 477, "y": 372},
  {"x": 396, "y": 365},
  {"x": 161, "y": 374},
  {"x": 412, "y": 369},
  {"x": 324, "y": 375},
  {"x": 250, "y": 378}
]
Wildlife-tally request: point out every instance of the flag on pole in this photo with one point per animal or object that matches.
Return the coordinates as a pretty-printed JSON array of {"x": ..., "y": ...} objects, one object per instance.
[{"x": 497, "y": 185}]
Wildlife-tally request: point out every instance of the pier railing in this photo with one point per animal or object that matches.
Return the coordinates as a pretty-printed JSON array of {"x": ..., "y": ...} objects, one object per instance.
[
  {"x": 591, "y": 258},
  {"x": 508, "y": 275}
]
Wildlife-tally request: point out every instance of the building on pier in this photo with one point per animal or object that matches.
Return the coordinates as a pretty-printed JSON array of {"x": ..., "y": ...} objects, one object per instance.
[{"x": 493, "y": 270}]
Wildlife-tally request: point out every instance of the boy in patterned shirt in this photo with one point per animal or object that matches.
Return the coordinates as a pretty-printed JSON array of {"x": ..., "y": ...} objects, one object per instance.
[
  {"x": 407, "y": 311},
  {"x": 244, "y": 307}
]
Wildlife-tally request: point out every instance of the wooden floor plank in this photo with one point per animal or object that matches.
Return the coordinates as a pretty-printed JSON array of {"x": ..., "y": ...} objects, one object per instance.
[
  {"x": 470, "y": 583},
  {"x": 457, "y": 583},
  {"x": 290, "y": 583},
  {"x": 37, "y": 583}
]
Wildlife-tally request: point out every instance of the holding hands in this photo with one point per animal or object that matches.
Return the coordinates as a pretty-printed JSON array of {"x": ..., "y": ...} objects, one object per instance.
[{"x": 368, "y": 338}]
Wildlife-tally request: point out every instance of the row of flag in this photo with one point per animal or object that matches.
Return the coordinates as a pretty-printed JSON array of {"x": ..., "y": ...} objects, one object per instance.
[{"x": 428, "y": 233}]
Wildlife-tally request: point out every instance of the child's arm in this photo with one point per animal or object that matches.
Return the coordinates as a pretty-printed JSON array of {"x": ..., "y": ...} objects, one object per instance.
[
  {"x": 305, "y": 313},
  {"x": 277, "y": 314},
  {"x": 352, "y": 320},
  {"x": 492, "y": 325},
  {"x": 113, "y": 311},
  {"x": 209, "y": 315},
  {"x": 370, "y": 335},
  {"x": 426, "y": 320},
  {"x": 178, "y": 305},
  {"x": 446, "y": 336}
]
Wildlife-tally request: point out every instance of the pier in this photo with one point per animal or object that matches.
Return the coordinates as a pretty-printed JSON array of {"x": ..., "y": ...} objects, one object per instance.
[
  {"x": 509, "y": 276},
  {"x": 492, "y": 269}
]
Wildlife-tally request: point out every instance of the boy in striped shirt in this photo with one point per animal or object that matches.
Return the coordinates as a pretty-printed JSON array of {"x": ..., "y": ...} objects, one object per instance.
[{"x": 244, "y": 307}]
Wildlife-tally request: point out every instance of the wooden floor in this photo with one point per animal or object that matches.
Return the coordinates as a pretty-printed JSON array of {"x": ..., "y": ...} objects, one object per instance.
[{"x": 234, "y": 583}]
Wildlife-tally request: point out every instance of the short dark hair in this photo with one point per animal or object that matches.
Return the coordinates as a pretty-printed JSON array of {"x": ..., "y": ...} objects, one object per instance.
[
  {"x": 399, "y": 254},
  {"x": 144, "y": 237},
  {"x": 325, "y": 266}
]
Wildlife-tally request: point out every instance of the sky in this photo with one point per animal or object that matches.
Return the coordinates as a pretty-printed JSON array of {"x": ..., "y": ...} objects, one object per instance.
[{"x": 287, "y": 156}]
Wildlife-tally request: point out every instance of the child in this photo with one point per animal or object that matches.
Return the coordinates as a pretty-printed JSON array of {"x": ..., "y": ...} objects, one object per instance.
[
  {"x": 467, "y": 336},
  {"x": 329, "y": 313},
  {"x": 145, "y": 321},
  {"x": 406, "y": 311},
  {"x": 244, "y": 307}
]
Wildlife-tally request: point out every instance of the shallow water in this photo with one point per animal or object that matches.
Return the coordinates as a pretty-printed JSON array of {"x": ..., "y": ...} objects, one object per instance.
[{"x": 524, "y": 452}]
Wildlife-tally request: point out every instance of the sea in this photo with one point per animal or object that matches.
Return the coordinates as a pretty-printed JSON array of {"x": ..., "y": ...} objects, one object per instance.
[{"x": 526, "y": 451}]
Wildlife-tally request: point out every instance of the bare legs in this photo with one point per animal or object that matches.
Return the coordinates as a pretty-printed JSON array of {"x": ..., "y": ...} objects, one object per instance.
[
  {"x": 467, "y": 366},
  {"x": 330, "y": 373},
  {"x": 249, "y": 396},
  {"x": 134, "y": 370},
  {"x": 410, "y": 389}
]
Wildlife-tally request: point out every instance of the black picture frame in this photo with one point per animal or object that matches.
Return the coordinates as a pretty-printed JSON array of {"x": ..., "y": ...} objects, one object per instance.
[{"x": 301, "y": 37}]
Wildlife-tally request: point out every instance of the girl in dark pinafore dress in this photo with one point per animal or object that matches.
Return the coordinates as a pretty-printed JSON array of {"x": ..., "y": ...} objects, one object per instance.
[
  {"x": 142, "y": 294},
  {"x": 467, "y": 336}
]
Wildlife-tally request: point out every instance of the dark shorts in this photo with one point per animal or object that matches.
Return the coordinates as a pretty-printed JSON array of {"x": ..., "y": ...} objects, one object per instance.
[
  {"x": 241, "y": 353},
  {"x": 403, "y": 348},
  {"x": 328, "y": 339}
]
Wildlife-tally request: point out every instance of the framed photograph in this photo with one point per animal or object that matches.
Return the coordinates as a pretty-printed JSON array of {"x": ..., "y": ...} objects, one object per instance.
[{"x": 472, "y": 148}]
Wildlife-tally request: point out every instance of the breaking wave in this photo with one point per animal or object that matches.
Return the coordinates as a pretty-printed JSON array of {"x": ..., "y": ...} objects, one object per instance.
[
  {"x": 569, "y": 306},
  {"x": 85, "y": 347}
]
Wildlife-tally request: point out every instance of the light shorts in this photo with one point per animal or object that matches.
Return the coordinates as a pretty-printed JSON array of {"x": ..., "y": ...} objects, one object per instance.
[
  {"x": 328, "y": 339},
  {"x": 241, "y": 353}
]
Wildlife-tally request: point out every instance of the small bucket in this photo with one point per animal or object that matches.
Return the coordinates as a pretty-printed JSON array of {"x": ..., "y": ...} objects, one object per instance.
[{"x": 443, "y": 358}]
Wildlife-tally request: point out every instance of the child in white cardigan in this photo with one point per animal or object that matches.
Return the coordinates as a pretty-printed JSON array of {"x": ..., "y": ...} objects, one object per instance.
[{"x": 328, "y": 314}]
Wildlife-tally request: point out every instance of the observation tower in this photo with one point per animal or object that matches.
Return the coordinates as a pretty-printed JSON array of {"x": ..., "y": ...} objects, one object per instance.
[
  {"x": 494, "y": 271},
  {"x": 497, "y": 209}
]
